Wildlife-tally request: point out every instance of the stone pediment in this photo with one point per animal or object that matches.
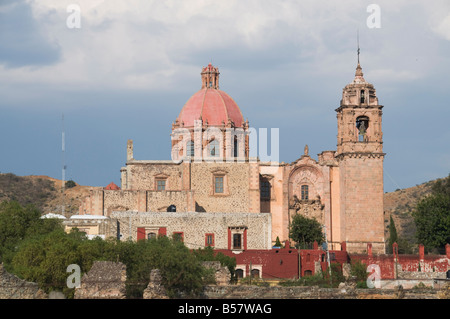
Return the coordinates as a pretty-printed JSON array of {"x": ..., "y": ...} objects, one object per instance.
[{"x": 304, "y": 160}]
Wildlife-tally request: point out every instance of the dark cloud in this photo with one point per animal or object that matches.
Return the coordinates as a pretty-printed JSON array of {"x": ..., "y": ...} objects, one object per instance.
[{"x": 22, "y": 43}]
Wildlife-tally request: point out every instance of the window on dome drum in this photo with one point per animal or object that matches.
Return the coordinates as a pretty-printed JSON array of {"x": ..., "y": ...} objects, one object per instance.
[
  {"x": 213, "y": 148},
  {"x": 190, "y": 151},
  {"x": 161, "y": 184},
  {"x": 218, "y": 185},
  {"x": 236, "y": 147},
  {"x": 237, "y": 241},
  {"x": 265, "y": 189},
  {"x": 305, "y": 192}
]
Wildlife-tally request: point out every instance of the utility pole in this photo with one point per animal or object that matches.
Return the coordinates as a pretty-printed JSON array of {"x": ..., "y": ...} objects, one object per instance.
[{"x": 63, "y": 149}]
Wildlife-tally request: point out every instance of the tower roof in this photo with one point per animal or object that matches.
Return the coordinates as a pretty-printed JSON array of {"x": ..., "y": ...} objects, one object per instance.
[
  {"x": 211, "y": 105},
  {"x": 359, "y": 75}
]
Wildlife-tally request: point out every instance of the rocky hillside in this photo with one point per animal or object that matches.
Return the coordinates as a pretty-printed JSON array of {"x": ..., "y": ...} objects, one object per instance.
[
  {"x": 401, "y": 204},
  {"x": 42, "y": 191}
]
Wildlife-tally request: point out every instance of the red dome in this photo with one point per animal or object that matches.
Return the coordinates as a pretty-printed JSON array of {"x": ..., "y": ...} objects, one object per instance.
[
  {"x": 212, "y": 105},
  {"x": 112, "y": 186}
]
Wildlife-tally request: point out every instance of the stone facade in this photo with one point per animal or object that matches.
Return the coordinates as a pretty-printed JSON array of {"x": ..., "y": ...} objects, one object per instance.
[
  {"x": 195, "y": 227},
  {"x": 214, "y": 173}
]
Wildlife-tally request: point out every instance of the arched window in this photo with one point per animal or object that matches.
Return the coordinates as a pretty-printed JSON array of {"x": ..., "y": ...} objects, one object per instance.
[
  {"x": 239, "y": 273},
  {"x": 255, "y": 273},
  {"x": 190, "y": 151},
  {"x": 213, "y": 148},
  {"x": 236, "y": 147},
  {"x": 363, "y": 97},
  {"x": 151, "y": 235},
  {"x": 305, "y": 192}
]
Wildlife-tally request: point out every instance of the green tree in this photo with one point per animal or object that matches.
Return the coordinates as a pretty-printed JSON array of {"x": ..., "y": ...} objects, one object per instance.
[
  {"x": 70, "y": 184},
  {"x": 305, "y": 230},
  {"x": 442, "y": 186},
  {"x": 278, "y": 242},
  {"x": 393, "y": 237},
  {"x": 432, "y": 219},
  {"x": 44, "y": 259},
  {"x": 18, "y": 222}
]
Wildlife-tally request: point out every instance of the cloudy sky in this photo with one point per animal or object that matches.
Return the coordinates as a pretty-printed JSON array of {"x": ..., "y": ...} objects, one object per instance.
[{"x": 129, "y": 66}]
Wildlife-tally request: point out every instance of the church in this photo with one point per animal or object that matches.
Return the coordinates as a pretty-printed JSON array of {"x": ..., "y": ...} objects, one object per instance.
[{"x": 214, "y": 192}]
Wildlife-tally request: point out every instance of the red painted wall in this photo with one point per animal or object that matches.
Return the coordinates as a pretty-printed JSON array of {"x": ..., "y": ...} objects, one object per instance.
[
  {"x": 284, "y": 262},
  {"x": 276, "y": 263}
]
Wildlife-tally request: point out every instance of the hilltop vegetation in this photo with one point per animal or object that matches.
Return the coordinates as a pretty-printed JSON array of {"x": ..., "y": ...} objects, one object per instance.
[
  {"x": 26, "y": 190},
  {"x": 401, "y": 206},
  {"x": 44, "y": 192}
]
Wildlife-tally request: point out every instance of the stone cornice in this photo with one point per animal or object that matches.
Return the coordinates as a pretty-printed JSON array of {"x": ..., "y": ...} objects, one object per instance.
[
  {"x": 364, "y": 106},
  {"x": 359, "y": 155}
]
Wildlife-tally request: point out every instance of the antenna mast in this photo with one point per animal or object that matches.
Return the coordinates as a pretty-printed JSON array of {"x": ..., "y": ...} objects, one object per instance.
[{"x": 63, "y": 149}]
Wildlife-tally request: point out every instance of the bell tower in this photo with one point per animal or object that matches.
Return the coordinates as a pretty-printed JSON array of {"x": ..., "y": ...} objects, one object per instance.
[{"x": 360, "y": 158}]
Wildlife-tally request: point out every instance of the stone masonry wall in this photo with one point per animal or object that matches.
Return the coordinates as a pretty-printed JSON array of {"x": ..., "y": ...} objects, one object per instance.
[
  {"x": 196, "y": 225},
  {"x": 142, "y": 175},
  {"x": 12, "y": 287},
  {"x": 236, "y": 187},
  {"x": 299, "y": 292},
  {"x": 362, "y": 202},
  {"x": 105, "y": 280}
]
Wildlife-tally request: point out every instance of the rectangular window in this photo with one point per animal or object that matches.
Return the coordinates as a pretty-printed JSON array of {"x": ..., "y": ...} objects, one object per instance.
[
  {"x": 265, "y": 189},
  {"x": 209, "y": 240},
  {"x": 218, "y": 186},
  {"x": 161, "y": 185},
  {"x": 237, "y": 242},
  {"x": 305, "y": 192}
]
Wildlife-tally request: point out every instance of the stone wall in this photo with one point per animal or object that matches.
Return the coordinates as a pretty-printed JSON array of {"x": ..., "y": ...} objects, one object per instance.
[
  {"x": 105, "y": 280},
  {"x": 235, "y": 197},
  {"x": 12, "y": 287},
  {"x": 278, "y": 292},
  {"x": 195, "y": 226},
  {"x": 155, "y": 289},
  {"x": 361, "y": 185},
  {"x": 159, "y": 201},
  {"x": 222, "y": 274},
  {"x": 142, "y": 175}
]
